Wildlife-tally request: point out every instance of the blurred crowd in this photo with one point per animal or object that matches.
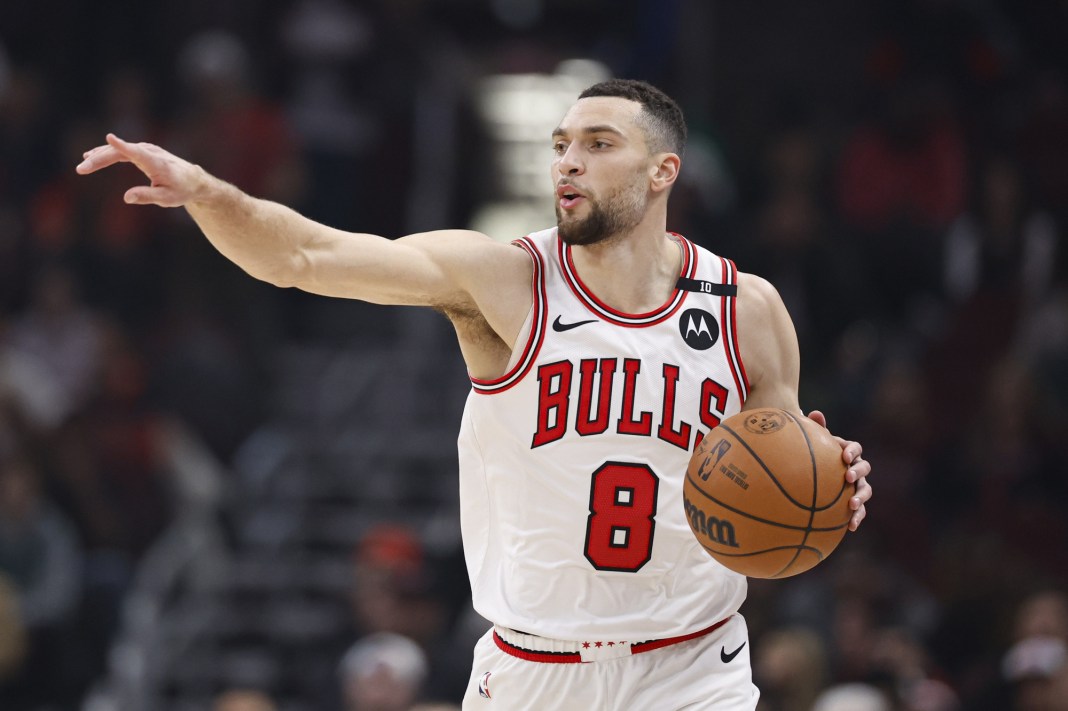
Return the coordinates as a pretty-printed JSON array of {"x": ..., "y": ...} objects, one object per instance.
[{"x": 896, "y": 168}]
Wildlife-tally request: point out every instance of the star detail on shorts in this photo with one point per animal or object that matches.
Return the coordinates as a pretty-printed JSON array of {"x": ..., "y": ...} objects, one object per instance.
[
  {"x": 598, "y": 644},
  {"x": 611, "y": 644},
  {"x": 585, "y": 645}
]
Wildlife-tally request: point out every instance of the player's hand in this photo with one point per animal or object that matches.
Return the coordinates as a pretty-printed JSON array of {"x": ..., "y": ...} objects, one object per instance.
[
  {"x": 174, "y": 181},
  {"x": 858, "y": 472}
]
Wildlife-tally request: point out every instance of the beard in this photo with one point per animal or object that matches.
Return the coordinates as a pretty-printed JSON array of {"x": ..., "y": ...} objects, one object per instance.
[{"x": 618, "y": 213}]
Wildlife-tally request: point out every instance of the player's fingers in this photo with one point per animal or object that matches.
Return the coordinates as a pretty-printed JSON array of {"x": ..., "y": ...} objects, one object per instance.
[
  {"x": 858, "y": 516},
  {"x": 857, "y": 503},
  {"x": 99, "y": 157},
  {"x": 818, "y": 417},
  {"x": 852, "y": 454},
  {"x": 859, "y": 467},
  {"x": 152, "y": 195},
  {"x": 114, "y": 151},
  {"x": 95, "y": 151},
  {"x": 861, "y": 495},
  {"x": 140, "y": 154},
  {"x": 851, "y": 451},
  {"x": 119, "y": 144},
  {"x": 149, "y": 159}
]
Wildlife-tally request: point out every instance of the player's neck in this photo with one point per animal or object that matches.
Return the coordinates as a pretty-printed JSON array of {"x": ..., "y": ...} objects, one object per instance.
[{"x": 635, "y": 273}]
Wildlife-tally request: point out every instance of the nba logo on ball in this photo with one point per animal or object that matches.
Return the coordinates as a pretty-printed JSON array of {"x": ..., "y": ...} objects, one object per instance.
[
  {"x": 765, "y": 493},
  {"x": 709, "y": 464}
]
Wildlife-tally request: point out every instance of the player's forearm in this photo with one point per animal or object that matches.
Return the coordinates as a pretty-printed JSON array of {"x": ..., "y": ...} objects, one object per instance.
[{"x": 263, "y": 238}]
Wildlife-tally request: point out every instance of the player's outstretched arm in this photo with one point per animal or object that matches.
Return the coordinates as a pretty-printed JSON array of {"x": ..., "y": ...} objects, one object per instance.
[
  {"x": 772, "y": 361},
  {"x": 451, "y": 269}
]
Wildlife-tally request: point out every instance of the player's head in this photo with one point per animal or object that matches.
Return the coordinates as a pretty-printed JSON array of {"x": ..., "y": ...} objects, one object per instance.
[
  {"x": 616, "y": 155},
  {"x": 660, "y": 117}
]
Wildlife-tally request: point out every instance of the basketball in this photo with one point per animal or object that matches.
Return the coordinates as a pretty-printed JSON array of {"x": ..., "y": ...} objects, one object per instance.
[{"x": 766, "y": 495}]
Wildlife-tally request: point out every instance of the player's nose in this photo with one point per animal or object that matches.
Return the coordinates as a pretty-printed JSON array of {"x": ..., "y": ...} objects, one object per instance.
[{"x": 569, "y": 162}]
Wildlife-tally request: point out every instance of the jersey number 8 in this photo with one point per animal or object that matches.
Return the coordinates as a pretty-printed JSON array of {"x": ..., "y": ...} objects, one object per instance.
[{"x": 619, "y": 530}]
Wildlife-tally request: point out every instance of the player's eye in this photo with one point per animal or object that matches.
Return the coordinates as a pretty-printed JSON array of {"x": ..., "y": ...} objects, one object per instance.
[
  {"x": 559, "y": 148},
  {"x": 600, "y": 145}
]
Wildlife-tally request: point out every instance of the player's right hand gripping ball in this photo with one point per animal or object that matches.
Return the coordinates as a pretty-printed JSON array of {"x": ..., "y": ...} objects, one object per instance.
[{"x": 766, "y": 493}]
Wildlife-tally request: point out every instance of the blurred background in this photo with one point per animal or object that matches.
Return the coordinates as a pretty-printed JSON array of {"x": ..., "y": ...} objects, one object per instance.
[{"x": 216, "y": 494}]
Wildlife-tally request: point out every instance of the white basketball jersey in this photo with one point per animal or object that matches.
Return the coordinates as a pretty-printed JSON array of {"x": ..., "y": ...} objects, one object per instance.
[{"x": 572, "y": 463}]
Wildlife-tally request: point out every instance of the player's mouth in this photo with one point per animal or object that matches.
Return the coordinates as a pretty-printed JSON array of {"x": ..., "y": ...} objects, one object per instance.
[{"x": 568, "y": 196}]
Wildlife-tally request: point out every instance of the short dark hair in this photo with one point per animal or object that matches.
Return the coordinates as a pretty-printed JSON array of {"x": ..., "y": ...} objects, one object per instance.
[{"x": 664, "y": 122}]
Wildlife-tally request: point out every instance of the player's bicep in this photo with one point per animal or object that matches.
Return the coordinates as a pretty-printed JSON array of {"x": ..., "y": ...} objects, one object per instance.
[
  {"x": 460, "y": 272},
  {"x": 768, "y": 344}
]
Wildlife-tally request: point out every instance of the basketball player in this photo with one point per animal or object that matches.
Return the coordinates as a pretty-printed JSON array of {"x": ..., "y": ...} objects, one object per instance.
[{"x": 600, "y": 351}]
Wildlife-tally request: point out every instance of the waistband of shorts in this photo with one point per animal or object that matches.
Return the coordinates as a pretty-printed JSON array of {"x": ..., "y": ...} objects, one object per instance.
[{"x": 533, "y": 648}]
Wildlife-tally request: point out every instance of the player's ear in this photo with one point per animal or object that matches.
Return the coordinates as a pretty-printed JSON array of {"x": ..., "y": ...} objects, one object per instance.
[{"x": 664, "y": 171}]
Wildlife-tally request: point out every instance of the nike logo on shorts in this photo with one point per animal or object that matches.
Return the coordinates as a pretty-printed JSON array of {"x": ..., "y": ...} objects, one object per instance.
[
  {"x": 560, "y": 327},
  {"x": 726, "y": 657}
]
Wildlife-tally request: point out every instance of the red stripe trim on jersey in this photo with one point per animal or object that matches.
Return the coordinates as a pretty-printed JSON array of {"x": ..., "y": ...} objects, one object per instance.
[
  {"x": 537, "y": 329},
  {"x": 658, "y": 643},
  {"x": 737, "y": 351},
  {"x": 729, "y": 331},
  {"x": 532, "y": 656},
  {"x": 544, "y": 657},
  {"x": 689, "y": 255},
  {"x": 619, "y": 318}
]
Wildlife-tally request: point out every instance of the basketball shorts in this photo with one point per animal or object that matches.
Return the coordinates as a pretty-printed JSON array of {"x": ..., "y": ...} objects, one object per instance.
[{"x": 703, "y": 672}]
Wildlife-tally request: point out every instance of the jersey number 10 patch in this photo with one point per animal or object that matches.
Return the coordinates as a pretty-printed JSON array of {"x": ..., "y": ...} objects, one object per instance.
[{"x": 619, "y": 530}]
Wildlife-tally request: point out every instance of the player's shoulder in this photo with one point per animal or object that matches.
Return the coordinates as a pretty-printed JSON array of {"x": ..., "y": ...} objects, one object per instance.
[
  {"x": 760, "y": 307},
  {"x": 756, "y": 292},
  {"x": 495, "y": 275},
  {"x": 523, "y": 251}
]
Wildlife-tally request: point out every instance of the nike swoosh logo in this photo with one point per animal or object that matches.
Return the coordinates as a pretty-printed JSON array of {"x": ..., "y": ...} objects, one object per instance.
[
  {"x": 727, "y": 657},
  {"x": 560, "y": 327}
]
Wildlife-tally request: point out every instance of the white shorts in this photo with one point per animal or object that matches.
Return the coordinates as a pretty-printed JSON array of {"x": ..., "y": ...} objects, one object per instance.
[{"x": 709, "y": 672}]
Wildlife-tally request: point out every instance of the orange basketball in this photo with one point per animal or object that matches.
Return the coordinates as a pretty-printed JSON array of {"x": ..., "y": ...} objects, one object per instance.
[{"x": 766, "y": 494}]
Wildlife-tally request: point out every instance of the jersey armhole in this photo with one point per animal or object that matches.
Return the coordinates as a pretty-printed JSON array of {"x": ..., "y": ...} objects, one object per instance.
[
  {"x": 533, "y": 327},
  {"x": 730, "y": 331}
]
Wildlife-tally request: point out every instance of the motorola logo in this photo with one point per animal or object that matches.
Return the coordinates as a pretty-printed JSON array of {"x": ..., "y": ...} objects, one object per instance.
[{"x": 699, "y": 329}]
